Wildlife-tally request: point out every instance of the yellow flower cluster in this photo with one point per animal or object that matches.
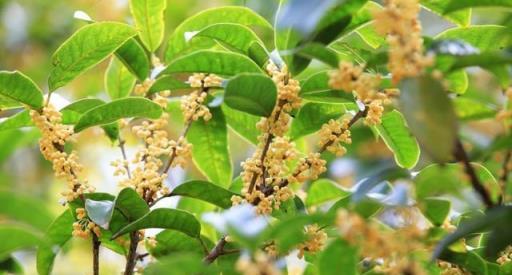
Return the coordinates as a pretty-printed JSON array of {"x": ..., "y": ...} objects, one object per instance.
[
  {"x": 332, "y": 134},
  {"x": 451, "y": 269},
  {"x": 192, "y": 105},
  {"x": 351, "y": 78},
  {"x": 143, "y": 88},
  {"x": 261, "y": 264},
  {"x": 84, "y": 226},
  {"x": 54, "y": 137},
  {"x": 399, "y": 21},
  {"x": 505, "y": 256},
  {"x": 315, "y": 242},
  {"x": 267, "y": 167},
  {"x": 394, "y": 247},
  {"x": 308, "y": 168}
]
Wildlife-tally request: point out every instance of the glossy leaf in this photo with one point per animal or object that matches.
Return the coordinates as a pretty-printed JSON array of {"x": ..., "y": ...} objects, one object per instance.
[
  {"x": 242, "y": 123},
  {"x": 251, "y": 93},
  {"x": 338, "y": 255},
  {"x": 430, "y": 116},
  {"x": 238, "y": 15},
  {"x": 462, "y": 17},
  {"x": 216, "y": 62},
  {"x": 134, "y": 58},
  {"x": 454, "y": 5},
  {"x": 399, "y": 140},
  {"x": 119, "y": 81},
  {"x": 473, "y": 109},
  {"x": 117, "y": 109},
  {"x": 171, "y": 242},
  {"x": 205, "y": 191},
  {"x": 57, "y": 234},
  {"x": 15, "y": 238},
  {"x": 25, "y": 209},
  {"x": 167, "y": 83},
  {"x": 131, "y": 204},
  {"x": 18, "y": 87},
  {"x": 436, "y": 210},
  {"x": 167, "y": 219},
  {"x": 149, "y": 20},
  {"x": 87, "y": 47},
  {"x": 210, "y": 150},
  {"x": 483, "y": 37},
  {"x": 224, "y": 33},
  {"x": 316, "y": 88},
  {"x": 16, "y": 121},
  {"x": 323, "y": 190},
  {"x": 319, "y": 52},
  {"x": 312, "y": 116}
]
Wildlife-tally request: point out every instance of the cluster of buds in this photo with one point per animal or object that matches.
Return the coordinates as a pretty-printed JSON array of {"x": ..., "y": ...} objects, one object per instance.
[
  {"x": 143, "y": 88},
  {"x": 451, "y": 269},
  {"x": 316, "y": 239},
  {"x": 399, "y": 21},
  {"x": 352, "y": 79},
  {"x": 505, "y": 256},
  {"x": 54, "y": 137},
  {"x": 83, "y": 226},
  {"x": 268, "y": 166},
  {"x": 193, "y": 105},
  {"x": 261, "y": 263},
  {"x": 332, "y": 134}
]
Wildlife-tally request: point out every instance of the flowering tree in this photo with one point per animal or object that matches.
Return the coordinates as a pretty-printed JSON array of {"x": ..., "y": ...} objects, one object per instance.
[{"x": 302, "y": 92}]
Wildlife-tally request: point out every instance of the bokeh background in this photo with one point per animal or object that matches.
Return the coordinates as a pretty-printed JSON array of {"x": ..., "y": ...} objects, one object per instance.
[{"x": 31, "y": 30}]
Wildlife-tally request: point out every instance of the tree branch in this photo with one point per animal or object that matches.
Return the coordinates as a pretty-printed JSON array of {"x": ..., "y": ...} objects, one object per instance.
[
  {"x": 217, "y": 251},
  {"x": 461, "y": 156},
  {"x": 95, "y": 254},
  {"x": 132, "y": 253}
]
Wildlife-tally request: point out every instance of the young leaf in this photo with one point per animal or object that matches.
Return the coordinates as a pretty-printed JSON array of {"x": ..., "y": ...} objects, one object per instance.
[
  {"x": 131, "y": 204},
  {"x": 100, "y": 212},
  {"x": 216, "y": 62},
  {"x": 134, "y": 58},
  {"x": 483, "y": 37},
  {"x": 210, "y": 149},
  {"x": 312, "y": 116},
  {"x": 223, "y": 32},
  {"x": 119, "y": 81},
  {"x": 436, "y": 210},
  {"x": 117, "y": 109},
  {"x": 454, "y": 5},
  {"x": 323, "y": 190},
  {"x": 19, "y": 120},
  {"x": 172, "y": 242},
  {"x": 205, "y": 191},
  {"x": 165, "y": 218},
  {"x": 87, "y": 47},
  {"x": 18, "y": 87},
  {"x": 338, "y": 255},
  {"x": 15, "y": 238},
  {"x": 398, "y": 138},
  {"x": 238, "y": 15},
  {"x": 25, "y": 209},
  {"x": 462, "y": 17},
  {"x": 430, "y": 116},
  {"x": 149, "y": 20},
  {"x": 57, "y": 234},
  {"x": 251, "y": 93},
  {"x": 316, "y": 88},
  {"x": 473, "y": 109},
  {"x": 242, "y": 123}
]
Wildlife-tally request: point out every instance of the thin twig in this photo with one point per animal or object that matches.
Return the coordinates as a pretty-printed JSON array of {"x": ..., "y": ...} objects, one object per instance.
[
  {"x": 125, "y": 158},
  {"x": 216, "y": 251},
  {"x": 95, "y": 254},
  {"x": 132, "y": 253},
  {"x": 461, "y": 155}
]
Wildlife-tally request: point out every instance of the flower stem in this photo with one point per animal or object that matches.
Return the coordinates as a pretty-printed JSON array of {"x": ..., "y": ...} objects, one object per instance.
[{"x": 95, "y": 254}]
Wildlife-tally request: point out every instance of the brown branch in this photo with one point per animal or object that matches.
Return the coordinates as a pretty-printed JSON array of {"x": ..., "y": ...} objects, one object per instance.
[
  {"x": 95, "y": 254},
  {"x": 461, "y": 156},
  {"x": 132, "y": 253},
  {"x": 217, "y": 251},
  {"x": 173, "y": 154}
]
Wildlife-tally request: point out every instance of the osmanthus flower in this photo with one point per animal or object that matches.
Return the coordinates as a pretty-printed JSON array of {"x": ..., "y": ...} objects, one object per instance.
[
  {"x": 84, "y": 226},
  {"x": 399, "y": 21},
  {"x": 451, "y": 269},
  {"x": 54, "y": 136},
  {"x": 316, "y": 239},
  {"x": 505, "y": 256},
  {"x": 258, "y": 264}
]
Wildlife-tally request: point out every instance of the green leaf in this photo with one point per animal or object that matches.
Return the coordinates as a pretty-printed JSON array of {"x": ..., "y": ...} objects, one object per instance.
[
  {"x": 386, "y": 174},
  {"x": 312, "y": 116},
  {"x": 366, "y": 207},
  {"x": 470, "y": 261},
  {"x": 25, "y": 209},
  {"x": 238, "y": 15},
  {"x": 149, "y": 20},
  {"x": 454, "y": 5},
  {"x": 167, "y": 83},
  {"x": 100, "y": 212},
  {"x": 117, "y": 109},
  {"x": 15, "y": 238},
  {"x": 430, "y": 116},
  {"x": 323, "y": 190},
  {"x": 205, "y": 191},
  {"x": 458, "y": 81},
  {"x": 18, "y": 87},
  {"x": 255, "y": 94},
  {"x": 242, "y": 123},
  {"x": 87, "y": 47},
  {"x": 172, "y": 242},
  {"x": 11, "y": 266},
  {"x": 134, "y": 58},
  {"x": 210, "y": 149},
  {"x": 473, "y": 109},
  {"x": 19, "y": 120},
  {"x": 71, "y": 113},
  {"x": 483, "y": 37},
  {"x": 462, "y": 17},
  {"x": 223, "y": 32},
  {"x": 131, "y": 204},
  {"x": 320, "y": 52},
  {"x": 181, "y": 264},
  {"x": 436, "y": 210},
  {"x": 57, "y": 234},
  {"x": 316, "y": 88},
  {"x": 119, "y": 81},
  {"x": 216, "y": 62},
  {"x": 165, "y": 218},
  {"x": 399, "y": 140},
  {"x": 338, "y": 255}
]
